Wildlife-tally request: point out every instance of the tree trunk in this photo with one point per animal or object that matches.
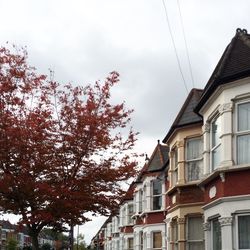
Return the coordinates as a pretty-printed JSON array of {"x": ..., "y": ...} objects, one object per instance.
[
  {"x": 34, "y": 238},
  {"x": 71, "y": 238},
  {"x": 35, "y": 244}
]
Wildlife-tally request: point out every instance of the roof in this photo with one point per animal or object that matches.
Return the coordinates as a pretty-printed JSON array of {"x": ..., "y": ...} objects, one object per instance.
[
  {"x": 157, "y": 162},
  {"x": 159, "y": 158},
  {"x": 234, "y": 64},
  {"x": 129, "y": 194},
  {"x": 186, "y": 116},
  {"x": 6, "y": 225}
]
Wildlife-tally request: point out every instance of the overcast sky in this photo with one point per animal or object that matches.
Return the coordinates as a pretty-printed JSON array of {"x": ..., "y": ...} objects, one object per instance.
[{"x": 84, "y": 40}]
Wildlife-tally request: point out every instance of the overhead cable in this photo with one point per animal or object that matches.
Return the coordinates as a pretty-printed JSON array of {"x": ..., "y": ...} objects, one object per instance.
[
  {"x": 173, "y": 42},
  {"x": 185, "y": 40}
]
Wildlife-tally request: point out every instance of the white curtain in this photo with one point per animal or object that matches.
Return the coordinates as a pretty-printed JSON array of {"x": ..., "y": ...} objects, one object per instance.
[
  {"x": 243, "y": 149},
  {"x": 244, "y": 117},
  {"x": 194, "y": 149}
]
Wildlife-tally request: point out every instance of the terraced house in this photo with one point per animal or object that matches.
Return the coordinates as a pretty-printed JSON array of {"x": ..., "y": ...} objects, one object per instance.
[{"x": 193, "y": 193}]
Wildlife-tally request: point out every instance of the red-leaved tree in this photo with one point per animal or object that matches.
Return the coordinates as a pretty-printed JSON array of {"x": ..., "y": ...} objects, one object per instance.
[{"x": 62, "y": 149}]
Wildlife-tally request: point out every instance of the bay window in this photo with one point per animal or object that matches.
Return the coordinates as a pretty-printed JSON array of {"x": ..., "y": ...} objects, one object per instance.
[
  {"x": 130, "y": 243},
  {"x": 243, "y": 133},
  {"x": 175, "y": 167},
  {"x": 141, "y": 240},
  {"x": 193, "y": 159},
  {"x": 195, "y": 235},
  {"x": 157, "y": 240},
  {"x": 156, "y": 194},
  {"x": 140, "y": 200},
  {"x": 243, "y": 232},
  {"x": 215, "y": 147},
  {"x": 216, "y": 234},
  {"x": 175, "y": 234},
  {"x": 130, "y": 213}
]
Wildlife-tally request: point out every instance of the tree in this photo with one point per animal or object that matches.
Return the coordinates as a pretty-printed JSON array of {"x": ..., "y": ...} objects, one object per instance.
[
  {"x": 80, "y": 243},
  {"x": 11, "y": 244},
  {"x": 62, "y": 148},
  {"x": 46, "y": 246}
]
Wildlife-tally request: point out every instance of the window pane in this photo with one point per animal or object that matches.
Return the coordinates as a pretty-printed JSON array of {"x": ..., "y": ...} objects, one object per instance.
[
  {"x": 194, "y": 149},
  {"x": 194, "y": 170},
  {"x": 196, "y": 246},
  {"x": 157, "y": 201},
  {"x": 244, "y": 232},
  {"x": 130, "y": 243},
  {"x": 195, "y": 229},
  {"x": 243, "y": 149},
  {"x": 157, "y": 240},
  {"x": 215, "y": 130},
  {"x": 216, "y": 235},
  {"x": 175, "y": 231},
  {"x": 175, "y": 158},
  {"x": 216, "y": 157},
  {"x": 157, "y": 187},
  {"x": 244, "y": 117}
]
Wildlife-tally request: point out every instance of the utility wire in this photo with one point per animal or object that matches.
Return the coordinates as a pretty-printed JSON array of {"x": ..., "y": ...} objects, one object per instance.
[
  {"x": 175, "y": 50},
  {"x": 185, "y": 40}
]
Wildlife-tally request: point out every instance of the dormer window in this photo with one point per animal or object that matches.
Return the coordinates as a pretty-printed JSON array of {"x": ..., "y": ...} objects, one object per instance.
[
  {"x": 215, "y": 145},
  {"x": 243, "y": 133},
  {"x": 193, "y": 159}
]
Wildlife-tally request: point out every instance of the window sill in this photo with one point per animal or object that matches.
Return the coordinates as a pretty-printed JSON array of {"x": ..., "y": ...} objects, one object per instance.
[{"x": 223, "y": 169}]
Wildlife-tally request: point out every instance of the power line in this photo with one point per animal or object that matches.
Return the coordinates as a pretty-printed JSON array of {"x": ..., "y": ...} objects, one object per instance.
[
  {"x": 175, "y": 50},
  {"x": 185, "y": 40}
]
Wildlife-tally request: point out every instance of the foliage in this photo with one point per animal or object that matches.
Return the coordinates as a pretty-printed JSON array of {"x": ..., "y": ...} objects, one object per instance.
[
  {"x": 11, "y": 244},
  {"x": 80, "y": 243},
  {"x": 46, "y": 246},
  {"x": 62, "y": 148}
]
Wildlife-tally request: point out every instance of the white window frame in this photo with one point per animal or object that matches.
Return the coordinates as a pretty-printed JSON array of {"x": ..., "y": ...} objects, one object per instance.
[
  {"x": 152, "y": 237},
  {"x": 155, "y": 195},
  {"x": 212, "y": 225},
  {"x": 211, "y": 148},
  {"x": 175, "y": 233},
  {"x": 128, "y": 239},
  {"x": 237, "y": 230},
  {"x": 140, "y": 196},
  {"x": 175, "y": 167},
  {"x": 192, "y": 241},
  {"x": 141, "y": 240},
  {"x": 238, "y": 133},
  {"x": 192, "y": 160},
  {"x": 130, "y": 219}
]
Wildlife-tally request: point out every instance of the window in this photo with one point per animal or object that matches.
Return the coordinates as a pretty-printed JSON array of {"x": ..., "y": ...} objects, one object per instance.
[
  {"x": 215, "y": 142},
  {"x": 195, "y": 235},
  {"x": 175, "y": 167},
  {"x": 140, "y": 200},
  {"x": 175, "y": 234},
  {"x": 130, "y": 243},
  {"x": 144, "y": 200},
  {"x": 216, "y": 234},
  {"x": 193, "y": 159},
  {"x": 130, "y": 213},
  {"x": 124, "y": 222},
  {"x": 243, "y": 133},
  {"x": 157, "y": 240},
  {"x": 157, "y": 194},
  {"x": 244, "y": 232},
  {"x": 141, "y": 240}
]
